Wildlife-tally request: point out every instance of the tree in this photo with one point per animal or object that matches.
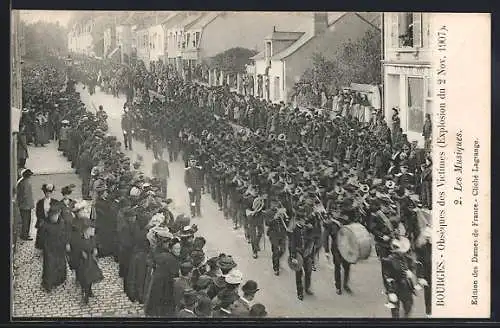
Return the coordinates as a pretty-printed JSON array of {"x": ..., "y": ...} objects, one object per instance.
[
  {"x": 232, "y": 60},
  {"x": 355, "y": 62},
  {"x": 44, "y": 39}
]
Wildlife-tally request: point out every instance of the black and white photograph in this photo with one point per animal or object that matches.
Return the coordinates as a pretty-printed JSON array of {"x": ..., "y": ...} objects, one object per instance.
[{"x": 196, "y": 164}]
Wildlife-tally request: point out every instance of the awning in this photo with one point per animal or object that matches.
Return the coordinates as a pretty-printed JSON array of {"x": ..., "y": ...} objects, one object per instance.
[{"x": 15, "y": 118}]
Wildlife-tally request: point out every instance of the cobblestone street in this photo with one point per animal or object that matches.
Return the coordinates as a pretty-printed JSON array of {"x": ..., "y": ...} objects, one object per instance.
[{"x": 30, "y": 300}]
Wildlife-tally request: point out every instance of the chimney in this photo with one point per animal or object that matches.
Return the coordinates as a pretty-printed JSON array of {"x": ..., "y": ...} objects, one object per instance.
[{"x": 319, "y": 22}]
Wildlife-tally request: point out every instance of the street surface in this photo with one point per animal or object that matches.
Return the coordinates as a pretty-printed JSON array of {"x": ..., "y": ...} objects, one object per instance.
[
  {"x": 276, "y": 293},
  {"x": 29, "y": 299}
]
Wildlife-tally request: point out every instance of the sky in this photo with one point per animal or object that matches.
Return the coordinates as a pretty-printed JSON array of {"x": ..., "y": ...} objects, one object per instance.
[{"x": 32, "y": 16}]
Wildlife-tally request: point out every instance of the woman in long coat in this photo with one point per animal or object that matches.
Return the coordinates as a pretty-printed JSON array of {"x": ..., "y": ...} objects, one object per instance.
[
  {"x": 105, "y": 224},
  {"x": 136, "y": 277},
  {"x": 159, "y": 300},
  {"x": 69, "y": 215},
  {"x": 55, "y": 247},
  {"x": 42, "y": 212},
  {"x": 88, "y": 271}
]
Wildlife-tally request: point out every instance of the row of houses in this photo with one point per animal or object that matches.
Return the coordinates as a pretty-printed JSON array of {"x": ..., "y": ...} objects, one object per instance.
[{"x": 285, "y": 43}]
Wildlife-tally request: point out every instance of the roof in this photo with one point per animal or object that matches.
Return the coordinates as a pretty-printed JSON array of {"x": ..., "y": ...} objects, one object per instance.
[
  {"x": 206, "y": 19},
  {"x": 284, "y": 36},
  {"x": 189, "y": 20},
  {"x": 260, "y": 55},
  {"x": 333, "y": 18},
  {"x": 174, "y": 20}
]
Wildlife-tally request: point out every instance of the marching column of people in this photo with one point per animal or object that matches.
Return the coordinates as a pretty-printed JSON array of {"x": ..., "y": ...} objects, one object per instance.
[
  {"x": 324, "y": 162},
  {"x": 125, "y": 215}
]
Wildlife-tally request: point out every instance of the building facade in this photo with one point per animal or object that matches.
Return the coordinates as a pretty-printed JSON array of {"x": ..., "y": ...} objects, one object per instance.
[
  {"x": 142, "y": 44},
  {"x": 177, "y": 38},
  {"x": 124, "y": 42},
  {"x": 109, "y": 40},
  {"x": 156, "y": 42},
  {"x": 80, "y": 39},
  {"x": 407, "y": 70}
]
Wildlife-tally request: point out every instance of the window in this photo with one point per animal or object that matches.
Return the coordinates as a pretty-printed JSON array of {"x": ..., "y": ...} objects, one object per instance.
[
  {"x": 188, "y": 35},
  {"x": 277, "y": 88},
  {"x": 268, "y": 50},
  {"x": 416, "y": 111},
  {"x": 197, "y": 39},
  {"x": 406, "y": 30}
]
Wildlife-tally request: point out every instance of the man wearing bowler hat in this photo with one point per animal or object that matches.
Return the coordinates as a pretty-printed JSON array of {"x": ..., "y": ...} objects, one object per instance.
[{"x": 241, "y": 307}]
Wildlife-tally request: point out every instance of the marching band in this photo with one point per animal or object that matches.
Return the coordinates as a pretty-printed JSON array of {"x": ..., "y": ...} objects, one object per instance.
[{"x": 312, "y": 185}]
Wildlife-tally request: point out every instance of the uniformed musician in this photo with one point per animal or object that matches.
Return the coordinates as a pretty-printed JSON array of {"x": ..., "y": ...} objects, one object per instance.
[
  {"x": 255, "y": 223},
  {"x": 276, "y": 220},
  {"x": 161, "y": 171},
  {"x": 331, "y": 227},
  {"x": 301, "y": 243},
  {"x": 400, "y": 277},
  {"x": 192, "y": 179}
]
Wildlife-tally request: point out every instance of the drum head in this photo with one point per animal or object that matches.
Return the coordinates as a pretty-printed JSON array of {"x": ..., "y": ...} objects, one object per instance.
[{"x": 348, "y": 245}]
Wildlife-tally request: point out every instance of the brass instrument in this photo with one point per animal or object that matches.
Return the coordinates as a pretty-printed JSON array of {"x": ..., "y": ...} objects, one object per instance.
[
  {"x": 390, "y": 184},
  {"x": 298, "y": 191},
  {"x": 282, "y": 137},
  {"x": 364, "y": 188},
  {"x": 271, "y": 137},
  {"x": 257, "y": 206}
]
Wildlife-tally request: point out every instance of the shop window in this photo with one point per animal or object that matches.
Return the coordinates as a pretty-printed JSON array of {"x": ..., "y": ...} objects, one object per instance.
[{"x": 416, "y": 95}]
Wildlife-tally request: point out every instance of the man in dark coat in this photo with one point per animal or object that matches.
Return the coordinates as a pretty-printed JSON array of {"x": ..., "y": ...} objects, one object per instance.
[
  {"x": 331, "y": 228},
  {"x": 181, "y": 284},
  {"x": 25, "y": 202},
  {"x": 161, "y": 171},
  {"x": 301, "y": 242},
  {"x": 127, "y": 128},
  {"x": 22, "y": 147},
  {"x": 277, "y": 235}
]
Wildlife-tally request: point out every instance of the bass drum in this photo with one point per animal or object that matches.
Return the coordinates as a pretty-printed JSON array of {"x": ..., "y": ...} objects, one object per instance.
[{"x": 354, "y": 242}]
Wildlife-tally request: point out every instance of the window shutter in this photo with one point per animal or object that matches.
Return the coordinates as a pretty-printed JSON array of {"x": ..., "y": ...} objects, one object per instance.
[
  {"x": 417, "y": 30},
  {"x": 394, "y": 36}
]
